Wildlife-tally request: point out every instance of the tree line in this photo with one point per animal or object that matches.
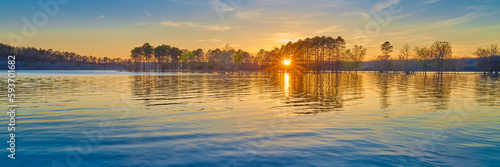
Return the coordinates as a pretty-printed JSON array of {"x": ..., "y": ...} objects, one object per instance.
[
  {"x": 314, "y": 55},
  {"x": 311, "y": 54},
  {"x": 437, "y": 57},
  {"x": 31, "y": 58},
  {"x": 317, "y": 54},
  {"x": 170, "y": 58}
]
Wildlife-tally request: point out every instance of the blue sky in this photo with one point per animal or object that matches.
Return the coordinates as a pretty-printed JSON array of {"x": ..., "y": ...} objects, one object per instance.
[{"x": 113, "y": 27}]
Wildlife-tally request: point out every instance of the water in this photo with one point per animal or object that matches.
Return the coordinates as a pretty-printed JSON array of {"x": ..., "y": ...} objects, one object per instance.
[{"x": 92, "y": 118}]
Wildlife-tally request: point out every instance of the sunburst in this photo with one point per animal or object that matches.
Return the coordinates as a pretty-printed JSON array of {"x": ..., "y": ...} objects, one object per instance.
[{"x": 286, "y": 62}]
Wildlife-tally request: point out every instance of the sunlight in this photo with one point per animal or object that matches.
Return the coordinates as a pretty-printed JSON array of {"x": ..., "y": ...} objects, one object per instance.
[
  {"x": 286, "y": 62},
  {"x": 287, "y": 84}
]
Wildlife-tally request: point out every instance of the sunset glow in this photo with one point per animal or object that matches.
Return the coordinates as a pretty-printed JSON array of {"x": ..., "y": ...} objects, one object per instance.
[
  {"x": 251, "y": 82},
  {"x": 96, "y": 28},
  {"x": 286, "y": 62}
]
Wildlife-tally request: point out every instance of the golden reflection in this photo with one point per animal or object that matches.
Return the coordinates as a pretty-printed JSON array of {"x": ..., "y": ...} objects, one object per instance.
[
  {"x": 313, "y": 93},
  {"x": 318, "y": 93},
  {"x": 287, "y": 84}
]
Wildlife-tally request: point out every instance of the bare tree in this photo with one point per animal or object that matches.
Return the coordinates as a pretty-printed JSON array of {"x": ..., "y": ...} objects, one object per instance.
[
  {"x": 441, "y": 50},
  {"x": 404, "y": 55},
  {"x": 487, "y": 59},
  {"x": 424, "y": 56},
  {"x": 358, "y": 53}
]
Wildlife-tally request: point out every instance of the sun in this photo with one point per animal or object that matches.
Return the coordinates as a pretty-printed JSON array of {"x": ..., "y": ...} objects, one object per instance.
[{"x": 286, "y": 62}]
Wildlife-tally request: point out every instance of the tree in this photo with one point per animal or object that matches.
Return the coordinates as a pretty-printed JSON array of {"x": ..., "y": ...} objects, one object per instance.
[
  {"x": 404, "y": 55},
  {"x": 161, "y": 54},
  {"x": 260, "y": 58},
  {"x": 494, "y": 59},
  {"x": 147, "y": 54},
  {"x": 358, "y": 54},
  {"x": 386, "y": 49},
  {"x": 348, "y": 60},
  {"x": 185, "y": 59},
  {"x": 226, "y": 58},
  {"x": 199, "y": 59},
  {"x": 135, "y": 54},
  {"x": 424, "y": 56},
  {"x": 175, "y": 53},
  {"x": 488, "y": 59},
  {"x": 339, "y": 47},
  {"x": 441, "y": 50},
  {"x": 238, "y": 59},
  {"x": 42, "y": 59}
]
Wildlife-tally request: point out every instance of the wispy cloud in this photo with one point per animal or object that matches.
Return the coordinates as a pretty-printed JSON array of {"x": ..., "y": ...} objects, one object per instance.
[
  {"x": 363, "y": 15},
  {"x": 440, "y": 24},
  {"x": 213, "y": 40},
  {"x": 101, "y": 17},
  {"x": 248, "y": 15},
  {"x": 431, "y": 1},
  {"x": 477, "y": 7},
  {"x": 486, "y": 28},
  {"x": 284, "y": 37},
  {"x": 196, "y": 25},
  {"x": 455, "y": 21},
  {"x": 328, "y": 29},
  {"x": 149, "y": 15},
  {"x": 400, "y": 17},
  {"x": 380, "y": 6},
  {"x": 222, "y": 6}
]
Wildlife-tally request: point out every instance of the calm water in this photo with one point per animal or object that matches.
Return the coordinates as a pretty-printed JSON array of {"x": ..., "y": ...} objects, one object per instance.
[{"x": 69, "y": 118}]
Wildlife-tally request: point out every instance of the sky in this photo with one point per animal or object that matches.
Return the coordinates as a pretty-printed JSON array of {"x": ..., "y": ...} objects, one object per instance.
[{"x": 114, "y": 27}]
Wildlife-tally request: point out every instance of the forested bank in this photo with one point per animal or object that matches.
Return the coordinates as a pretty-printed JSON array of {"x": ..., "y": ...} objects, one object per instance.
[
  {"x": 316, "y": 54},
  {"x": 30, "y": 58}
]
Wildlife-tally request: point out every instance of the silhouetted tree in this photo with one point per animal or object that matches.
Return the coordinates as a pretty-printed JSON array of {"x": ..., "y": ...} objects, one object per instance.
[
  {"x": 424, "y": 56},
  {"x": 488, "y": 59},
  {"x": 161, "y": 54},
  {"x": 386, "y": 49},
  {"x": 404, "y": 55},
  {"x": 441, "y": 50},
  {"x": 358, "y": 54}
]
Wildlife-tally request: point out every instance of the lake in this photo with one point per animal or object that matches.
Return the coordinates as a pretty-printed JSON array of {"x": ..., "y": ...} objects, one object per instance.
[{"x": 108, "y": 118}]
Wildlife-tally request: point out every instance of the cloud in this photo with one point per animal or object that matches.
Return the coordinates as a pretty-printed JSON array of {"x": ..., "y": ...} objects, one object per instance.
[
  {"x": 284, "y": 37},
  {"x": 327, "y": 29},
  {"x": 212, "y": 40},
  {"x": 222, "y": 7},
  {"x": 362, "y": 15},
  {"x": 147, "y": 14},
  {"x": 196, "y": 25},
  {"x": 177, "y": 24},
  {"x": 250, "y": 15},
  {"x": 400, "y": 17},
  {"x": 217, "y": 27},
  {"x": 455, "y": 21},
  {"x": 477, "y": 7},
  {"x": 431, "y": 1},
  {"x": 380, "y": 6},
  {"x": 441, "y": 24},
  {"x": 485, "y": 28},
  {"x": 101, "y": 17}
]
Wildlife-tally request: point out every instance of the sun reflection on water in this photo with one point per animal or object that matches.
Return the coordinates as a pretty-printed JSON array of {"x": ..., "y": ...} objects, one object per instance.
[{"x": 287, "y": 84}]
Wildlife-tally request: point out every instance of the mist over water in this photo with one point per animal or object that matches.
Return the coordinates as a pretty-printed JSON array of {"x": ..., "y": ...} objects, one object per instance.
[{"x": 82, "y": 118}]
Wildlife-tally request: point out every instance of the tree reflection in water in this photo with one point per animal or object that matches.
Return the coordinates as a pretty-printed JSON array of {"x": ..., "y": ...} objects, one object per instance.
[{"x": 314, "y": 93}]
